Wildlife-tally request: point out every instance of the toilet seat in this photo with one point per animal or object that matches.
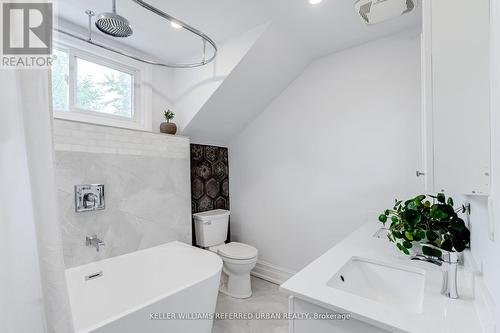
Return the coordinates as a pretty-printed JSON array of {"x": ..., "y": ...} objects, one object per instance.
[{"x": 237, "y": 251}]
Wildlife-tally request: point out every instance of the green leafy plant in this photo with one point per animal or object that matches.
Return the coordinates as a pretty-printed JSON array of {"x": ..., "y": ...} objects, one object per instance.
[
  {"x": 425, "y": 220},
  {"x": 169, "y": 115}
]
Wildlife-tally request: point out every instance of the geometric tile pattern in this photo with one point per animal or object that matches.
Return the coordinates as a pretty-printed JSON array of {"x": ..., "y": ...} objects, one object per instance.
[{"x": 209, "y": 178}]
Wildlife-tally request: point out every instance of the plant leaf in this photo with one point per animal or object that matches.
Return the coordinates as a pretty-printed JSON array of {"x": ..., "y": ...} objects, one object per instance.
[
  {"x": 431, "y": 235},
  {"x": 434, "y": 221},
  {"x": 459, "y": 246},
  {"x": 437, "y": 213},
  {"x": 412, "y": 216},
  {"x": 412, "y": 205},
  {"x": 457, "y": 224},
  {"x": 407, "y": 244},
  {"x": 447, "y": 245},
  {"x": 420, "y": 233}
]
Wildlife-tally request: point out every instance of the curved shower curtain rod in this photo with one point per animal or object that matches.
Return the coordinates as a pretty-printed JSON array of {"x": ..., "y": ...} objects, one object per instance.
[{"x": 162, "y": 14}]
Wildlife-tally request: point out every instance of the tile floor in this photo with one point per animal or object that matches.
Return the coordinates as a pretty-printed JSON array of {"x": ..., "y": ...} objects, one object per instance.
[{"x": 266, "y": 298}]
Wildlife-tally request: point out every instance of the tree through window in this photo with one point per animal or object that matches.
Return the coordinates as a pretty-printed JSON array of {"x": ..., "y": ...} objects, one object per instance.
[{"x": 97, "y": 88}]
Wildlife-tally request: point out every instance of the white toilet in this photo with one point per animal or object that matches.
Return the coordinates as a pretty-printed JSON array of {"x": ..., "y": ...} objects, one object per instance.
[{"x": 238, "y": 258}]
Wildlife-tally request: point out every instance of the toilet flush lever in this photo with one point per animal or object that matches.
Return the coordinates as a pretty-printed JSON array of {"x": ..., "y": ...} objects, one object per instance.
[{"x": 419, "y": 173}]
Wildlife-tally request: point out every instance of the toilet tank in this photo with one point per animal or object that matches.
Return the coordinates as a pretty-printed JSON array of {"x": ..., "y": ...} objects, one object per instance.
[{"x": 211, "y": 227}]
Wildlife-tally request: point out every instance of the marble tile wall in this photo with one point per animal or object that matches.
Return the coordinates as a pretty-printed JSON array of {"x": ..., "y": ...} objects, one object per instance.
[
  {"x": 147, "y": 191},
  {"x": 81, "y": 137}
]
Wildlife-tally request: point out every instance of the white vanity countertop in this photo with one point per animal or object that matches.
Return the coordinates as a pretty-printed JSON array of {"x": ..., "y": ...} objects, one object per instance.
[{"x": 439, "y": 314}]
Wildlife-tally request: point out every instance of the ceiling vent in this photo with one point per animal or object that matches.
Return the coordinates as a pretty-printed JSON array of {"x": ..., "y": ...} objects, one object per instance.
[{"x": 376, "y": 11}]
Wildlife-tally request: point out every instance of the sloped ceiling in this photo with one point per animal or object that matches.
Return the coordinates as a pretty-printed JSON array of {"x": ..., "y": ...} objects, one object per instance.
[
  {"x": 253, "y": 67},
  {"x": 265, "y": 70},
  {"x": 194, "y": 88}
]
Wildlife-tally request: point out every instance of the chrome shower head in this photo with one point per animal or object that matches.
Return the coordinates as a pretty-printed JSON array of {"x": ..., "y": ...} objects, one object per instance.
[{"x": 113, "y": 24}]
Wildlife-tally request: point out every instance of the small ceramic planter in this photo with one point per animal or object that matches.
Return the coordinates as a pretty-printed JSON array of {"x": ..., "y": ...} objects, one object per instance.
[{"x": 168, "y": 128}]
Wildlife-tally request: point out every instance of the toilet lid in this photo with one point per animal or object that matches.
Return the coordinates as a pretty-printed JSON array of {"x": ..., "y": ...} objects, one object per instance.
[{"x": 236, "y": 250}]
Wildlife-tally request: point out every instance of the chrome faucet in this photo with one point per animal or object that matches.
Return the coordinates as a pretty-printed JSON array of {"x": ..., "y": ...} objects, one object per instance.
[
  {"x": 94, "y": 242},
  {"x": 448, "y": 262}
]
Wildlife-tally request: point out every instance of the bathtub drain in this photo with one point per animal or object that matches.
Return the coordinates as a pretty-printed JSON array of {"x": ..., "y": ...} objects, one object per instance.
[{"x": 94, "y": 276}]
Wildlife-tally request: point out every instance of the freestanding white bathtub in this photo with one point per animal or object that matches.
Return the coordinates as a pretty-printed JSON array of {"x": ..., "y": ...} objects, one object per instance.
[{"x": 146, "y": 291}]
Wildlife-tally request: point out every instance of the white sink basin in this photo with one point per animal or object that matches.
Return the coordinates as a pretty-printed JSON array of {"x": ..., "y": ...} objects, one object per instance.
[{"x": 395, "y": 286}]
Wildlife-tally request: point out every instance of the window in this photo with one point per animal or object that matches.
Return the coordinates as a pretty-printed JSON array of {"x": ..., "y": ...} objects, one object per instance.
[{"x": 103, "y": 89}]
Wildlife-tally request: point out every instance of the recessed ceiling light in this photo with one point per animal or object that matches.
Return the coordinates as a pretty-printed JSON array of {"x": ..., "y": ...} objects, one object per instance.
[
  {"x": 175, "y": 25},
  {"x": 314, "y": 2}
]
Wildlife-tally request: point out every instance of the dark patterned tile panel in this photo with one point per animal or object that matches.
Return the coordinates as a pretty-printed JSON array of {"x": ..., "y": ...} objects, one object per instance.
[{"x": 209, "y": 179}]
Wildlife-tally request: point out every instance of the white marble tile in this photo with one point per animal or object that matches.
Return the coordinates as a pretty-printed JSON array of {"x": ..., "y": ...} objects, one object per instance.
[
  {"x": 266, "y": 298},
  {"x": 81, "y": 137},
  {"x": 147, "y": 203}
]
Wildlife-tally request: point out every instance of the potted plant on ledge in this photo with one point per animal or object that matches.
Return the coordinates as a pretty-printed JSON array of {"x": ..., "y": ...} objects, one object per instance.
[
  {"x": 168, "y": 127},
  {"x": 432, "y": 221}
]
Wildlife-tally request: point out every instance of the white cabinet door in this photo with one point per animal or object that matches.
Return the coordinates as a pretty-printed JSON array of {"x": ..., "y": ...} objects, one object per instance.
[
  {"x": 299, "y": 307},
  {"x": 457, "y": 94}
]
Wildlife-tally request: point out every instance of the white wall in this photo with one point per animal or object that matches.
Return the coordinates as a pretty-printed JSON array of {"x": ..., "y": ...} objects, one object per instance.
[
  {"x": 342, "y": 141},
  {"x": 482, "y": 247},
  {"x": 162, "y": 94},
  {"x": 495, "y": 191}
]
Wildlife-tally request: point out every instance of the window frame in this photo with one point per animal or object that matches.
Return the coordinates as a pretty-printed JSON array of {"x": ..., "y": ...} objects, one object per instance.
[
  {"x": 73, "y": 63},
  {"x": 141, "y": 86}
]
